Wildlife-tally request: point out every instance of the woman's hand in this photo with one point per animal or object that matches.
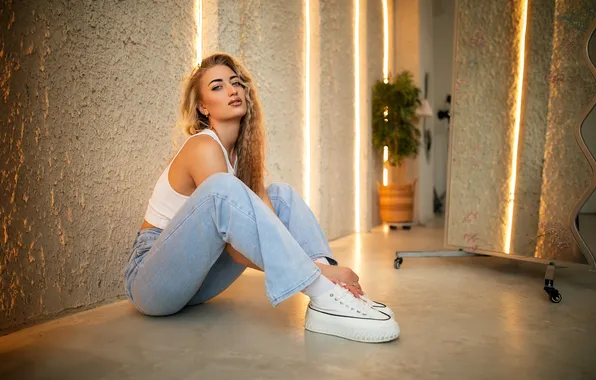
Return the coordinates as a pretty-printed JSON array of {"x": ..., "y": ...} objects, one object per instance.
[{"x": 343, "y": 276}]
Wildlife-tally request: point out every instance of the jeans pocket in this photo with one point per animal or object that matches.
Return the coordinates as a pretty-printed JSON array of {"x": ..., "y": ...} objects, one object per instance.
[
  {"x": 142, "y": 247},
  {"x": 137, "y": 254},
  {"x": 145, "y": 241},
  {"x": 142, "y": 244}
]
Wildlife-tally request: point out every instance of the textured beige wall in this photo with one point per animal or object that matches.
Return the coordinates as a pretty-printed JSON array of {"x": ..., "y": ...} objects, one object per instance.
[
  {"x": 337, "y": 118},
  {"x": 406, "y": 37},
  {"x": 374, "y": 61},
  {"x": 89, "y": 95},
  {"x": 413, "y": 41},
  {"x": 407, "y": 57},
  {"x": 269, "y": 38},
  {"x": 552, "y": 172},
  {"x": 405, "y": 29}
]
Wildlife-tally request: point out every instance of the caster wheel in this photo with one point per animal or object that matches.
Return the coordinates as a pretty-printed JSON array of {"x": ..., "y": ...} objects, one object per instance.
[
  {"x": 396, "y": 264},
  {"x": 407, "y": 228},
  {"x": 393, "y": 228},
  {"x": 556, "y": 297}
]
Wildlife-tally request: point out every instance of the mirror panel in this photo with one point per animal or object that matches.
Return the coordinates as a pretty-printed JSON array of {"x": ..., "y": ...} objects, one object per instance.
[{"x": 520, "y": 90}]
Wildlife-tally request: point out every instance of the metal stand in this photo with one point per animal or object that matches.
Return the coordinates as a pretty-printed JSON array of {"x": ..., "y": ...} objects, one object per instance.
[
  {"x": 549, "y": 277},
  {"x": 399, "y": 256},
  {"x": 549, "y": 282}
]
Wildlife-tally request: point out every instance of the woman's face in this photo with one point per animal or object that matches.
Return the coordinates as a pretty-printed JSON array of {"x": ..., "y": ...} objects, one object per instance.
[{"x": 223, "y": 97}]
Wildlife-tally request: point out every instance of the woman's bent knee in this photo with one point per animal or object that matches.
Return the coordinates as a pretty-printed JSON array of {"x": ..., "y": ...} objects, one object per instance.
[
  {"x": 280, "y": 188},
  {"x": 221, "y": 183}
]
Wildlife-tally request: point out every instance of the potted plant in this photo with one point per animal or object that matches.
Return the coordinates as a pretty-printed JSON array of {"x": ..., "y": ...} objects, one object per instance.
[{"x": 394, "y": 125}]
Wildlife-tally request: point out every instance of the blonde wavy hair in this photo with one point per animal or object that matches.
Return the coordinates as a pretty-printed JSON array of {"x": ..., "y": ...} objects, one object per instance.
[{"x": 250, "y": 145}]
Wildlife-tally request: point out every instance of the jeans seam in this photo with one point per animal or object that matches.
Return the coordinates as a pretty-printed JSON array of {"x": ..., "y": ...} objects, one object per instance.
[
  {"x": 282, "y": 204},
  {"x": 285, "y": 204},
  {"x": 215, "y": 195},
  {"x": 208, "y": 198},
  {"x": 282, "y": 200}
]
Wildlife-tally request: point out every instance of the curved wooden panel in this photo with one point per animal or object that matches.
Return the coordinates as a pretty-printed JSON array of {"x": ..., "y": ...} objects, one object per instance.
[{"x": 589, "y": 253}]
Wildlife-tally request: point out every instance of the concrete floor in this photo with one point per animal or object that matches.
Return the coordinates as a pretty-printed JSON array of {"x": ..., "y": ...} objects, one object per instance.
[{"x": 461, "y": 318}]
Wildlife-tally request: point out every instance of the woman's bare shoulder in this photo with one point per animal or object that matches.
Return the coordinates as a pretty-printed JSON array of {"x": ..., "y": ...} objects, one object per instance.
[{"x": 203, "y": 150}]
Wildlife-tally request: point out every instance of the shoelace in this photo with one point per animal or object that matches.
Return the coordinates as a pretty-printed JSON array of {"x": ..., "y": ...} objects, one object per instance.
[{"x": 346, "y": 298}]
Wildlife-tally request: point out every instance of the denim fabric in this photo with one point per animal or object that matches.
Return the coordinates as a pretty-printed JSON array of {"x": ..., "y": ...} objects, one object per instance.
[{"x": 186, "y": 263}]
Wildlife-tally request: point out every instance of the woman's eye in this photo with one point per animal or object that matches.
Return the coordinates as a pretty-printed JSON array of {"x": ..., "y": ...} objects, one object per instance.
[
  {"x": 216, "y": 88},
  {"x": 236, "y": 84}
]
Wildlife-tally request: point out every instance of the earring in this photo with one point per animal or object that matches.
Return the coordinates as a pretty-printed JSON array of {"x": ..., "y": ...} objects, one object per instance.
[{"x": 206, "y": 114}]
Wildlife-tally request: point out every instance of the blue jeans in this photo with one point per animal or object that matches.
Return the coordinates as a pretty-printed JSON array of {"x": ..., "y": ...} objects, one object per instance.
[{"x": 186, "y": 263}]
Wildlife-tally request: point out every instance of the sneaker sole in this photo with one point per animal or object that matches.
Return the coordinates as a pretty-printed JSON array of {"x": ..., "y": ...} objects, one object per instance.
[{"x": 322, "y": 323}]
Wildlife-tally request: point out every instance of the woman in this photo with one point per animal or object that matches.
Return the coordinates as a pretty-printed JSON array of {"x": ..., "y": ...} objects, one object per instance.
[{"x": 209, "y": 219}]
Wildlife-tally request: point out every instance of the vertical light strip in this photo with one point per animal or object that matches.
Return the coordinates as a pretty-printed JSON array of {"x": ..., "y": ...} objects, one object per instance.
[
  {"x": 385, "y": 80},
  {"x": 357, "y": 114},
  {"x": 516, "y": 128},
  {"x": 307, "y": 105},
  {"x": 385, "y": 42},
  {"x": 199, "y": 34}
]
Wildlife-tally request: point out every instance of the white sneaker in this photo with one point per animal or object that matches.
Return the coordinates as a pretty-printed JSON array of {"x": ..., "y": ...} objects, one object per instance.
[
  {"x": 379, "y": 306},
  {"x": 339, "y": 313}
]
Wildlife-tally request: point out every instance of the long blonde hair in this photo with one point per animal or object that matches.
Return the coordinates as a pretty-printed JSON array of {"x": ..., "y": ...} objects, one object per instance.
[{"x": 250, "y": 145}]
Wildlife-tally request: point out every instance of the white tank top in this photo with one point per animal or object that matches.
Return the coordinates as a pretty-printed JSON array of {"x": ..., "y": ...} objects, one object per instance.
[{"x": 165, "y": 201}]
